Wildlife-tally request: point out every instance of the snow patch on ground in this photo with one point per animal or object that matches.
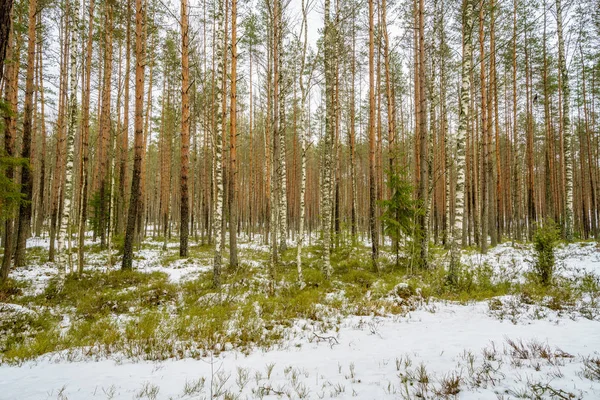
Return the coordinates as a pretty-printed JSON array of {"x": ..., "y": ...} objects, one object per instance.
[
  {"x": 368, "y": 357},
  {"x": 573, "y": 259},
  {"x": 500, "y": 348}
]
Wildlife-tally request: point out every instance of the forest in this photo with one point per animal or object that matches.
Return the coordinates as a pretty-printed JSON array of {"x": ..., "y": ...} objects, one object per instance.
[{"x": 224, "y": 185}]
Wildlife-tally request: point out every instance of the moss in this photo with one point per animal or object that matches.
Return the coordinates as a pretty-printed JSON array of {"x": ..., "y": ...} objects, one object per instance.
[
  {"x": 25, "y": 333},
  {"x": 11, "y": 289}
]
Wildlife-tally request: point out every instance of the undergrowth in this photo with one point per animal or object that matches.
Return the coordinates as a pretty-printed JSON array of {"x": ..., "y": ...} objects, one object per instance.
[{"x": 145, "y": 316}]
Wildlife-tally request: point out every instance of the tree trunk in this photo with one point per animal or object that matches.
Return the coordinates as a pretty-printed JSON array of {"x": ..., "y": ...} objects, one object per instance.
[
  {"x": 372, "y": 183},
  {"x": 184, "y": 225},
  {"x": 139, "y": 136},
  {"x": 65, "y": 220},
  {"x": 10, "y": 134},
  {"x": 218, "y": 141},
  {"x": 26, "y": 176},
  {"x": 233, "y": 220},
  {"x": 5, "y": 29},
  {"x": 85, "y": 134},
  {"x": 125, "y": 132},
  {"x": 424, "y": 176},
  {"x": 565, "y": 125},
  {"x": 465, "y": 92},
  {"x": 484, "y": 134},
  {"x": 326, "y": 190}
]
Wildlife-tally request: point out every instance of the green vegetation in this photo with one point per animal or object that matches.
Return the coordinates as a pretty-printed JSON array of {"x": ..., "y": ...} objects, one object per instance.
[
  {"x": 144, "y": 315},
  {"x": 545, "y": 240}
]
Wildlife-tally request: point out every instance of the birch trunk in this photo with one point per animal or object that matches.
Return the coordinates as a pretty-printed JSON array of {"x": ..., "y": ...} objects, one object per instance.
[
  {"x": 303, "y": 96},
  {"x": 233, "y": 219},
  {"x": 64, "y": 255},
  {"x": 85, "y": 133},
  {"x": 565, "y": 124},
  {"x": 218, "y": 147},
  {"x": 465, "y": 91},
  {"x": 328, "y": 141}
]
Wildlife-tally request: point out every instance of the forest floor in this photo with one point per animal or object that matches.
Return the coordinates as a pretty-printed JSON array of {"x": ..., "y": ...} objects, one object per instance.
[{"x": 162, "y": 332}]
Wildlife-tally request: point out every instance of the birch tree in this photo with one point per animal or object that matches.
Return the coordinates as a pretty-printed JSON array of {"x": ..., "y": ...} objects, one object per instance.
[
  {"x": 465, "y": 91},
  {"x": 218, "y": 146},
  {"x": 233, "y": 220},
  {"x": 326, "y": 201},
  {"x": 65, "y": 220},
  {"x": 565, "y": 124},
  {"x": 85, "y": 133}
]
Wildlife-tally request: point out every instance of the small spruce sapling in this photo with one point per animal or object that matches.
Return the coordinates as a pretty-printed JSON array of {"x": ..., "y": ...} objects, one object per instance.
[
  {"x": 398, "y": 211},
  {"x": 545, "y": 240}
]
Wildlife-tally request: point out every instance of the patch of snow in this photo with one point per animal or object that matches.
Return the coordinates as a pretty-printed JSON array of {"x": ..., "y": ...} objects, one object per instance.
[{"x": 360, "y": 360}]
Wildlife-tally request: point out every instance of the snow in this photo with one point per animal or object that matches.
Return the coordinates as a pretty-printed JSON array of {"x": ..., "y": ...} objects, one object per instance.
[
  {"x": 573, "y": 259},
  {"x": 358, "y": 361},
  {"x": 366, "y": 357},
  {"x": 148, "y": 260}
]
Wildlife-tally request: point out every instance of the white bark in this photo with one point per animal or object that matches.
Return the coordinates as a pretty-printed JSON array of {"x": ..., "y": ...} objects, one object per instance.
[
  {"x": 565, "y": 125},
  {"x": 303, "y": 95},
  {"x": 465, "y": 91},
  {"x": 328, "y": 143},
  {"x": 218, "y": 149},
  {"x": 64, "y": 256},
  {"x": 282, "y": 175}
]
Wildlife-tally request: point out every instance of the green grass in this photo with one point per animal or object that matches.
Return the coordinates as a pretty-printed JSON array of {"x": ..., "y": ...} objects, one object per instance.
[{"x": 143, "y": 315}]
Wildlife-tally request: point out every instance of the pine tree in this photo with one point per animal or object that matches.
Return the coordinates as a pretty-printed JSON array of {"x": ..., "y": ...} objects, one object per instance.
[
  {"x": 185, "y": 131},
  {"x": 134, "y": 202}
]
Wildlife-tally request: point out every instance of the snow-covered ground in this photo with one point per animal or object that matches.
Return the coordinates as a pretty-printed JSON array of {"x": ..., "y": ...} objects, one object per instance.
[
  {"x": 431, "y": 352},
  {"x": 368, "y": 358}
]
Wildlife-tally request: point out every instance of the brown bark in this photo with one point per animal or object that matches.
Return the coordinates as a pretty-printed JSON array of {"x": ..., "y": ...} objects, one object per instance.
[
  {"x": 185, "y": 131},
  {"x": 139, "y": 136},
  {"x": 26, "y": 176},
  {"x": 372, "y": 183}
]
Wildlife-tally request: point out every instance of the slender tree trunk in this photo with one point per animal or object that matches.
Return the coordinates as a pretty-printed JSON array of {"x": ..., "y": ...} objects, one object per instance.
[
  {"x": 134, "y": 203},
  {"x": 57, "y": 176},
  {"x": 5, "y": 29},
  {"x": 390, "y": 104},
  {"x": 125, "y": 132},
  {"x": 424, "y": 176},
  {"x": 218, "y": 141},
  {"x": 184, "y": 225},
  {"x": 465, "y": 92},
  {"x": 105, "y": 125},
  {"x": 531, "y": 209},
  {"x": 65, "y": 222},
  {"x": 565, "y": 125},
  {"x": 10, "y": 134},
  {"x": 372, "y": 183},
  {"x": 26, "y": 176},
  {"x": 303, "y": 127},
  {"x": 42, "y": 174},
  {"x": 352, "y": 136},
  {"x": 484, "y": 134},
  {"x": 85, "y": 134},
  {"x": 233, "y": 220}
]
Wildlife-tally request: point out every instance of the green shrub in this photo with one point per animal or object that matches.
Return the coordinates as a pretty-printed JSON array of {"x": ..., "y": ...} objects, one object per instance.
[{"x": 544, "y": 242}]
